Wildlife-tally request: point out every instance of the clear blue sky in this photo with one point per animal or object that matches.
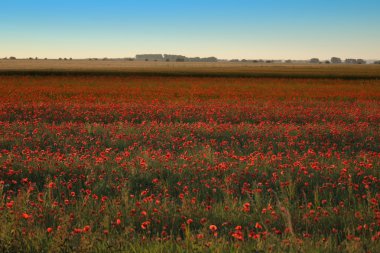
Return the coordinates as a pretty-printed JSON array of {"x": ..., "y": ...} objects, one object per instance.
[{"x": 281, "y": 29}]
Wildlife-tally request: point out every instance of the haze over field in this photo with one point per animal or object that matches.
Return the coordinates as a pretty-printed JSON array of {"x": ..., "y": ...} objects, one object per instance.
[{"x": 271, "y": 29}]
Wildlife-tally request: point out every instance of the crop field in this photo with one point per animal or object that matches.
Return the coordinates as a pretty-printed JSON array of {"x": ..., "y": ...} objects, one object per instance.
[
  {"x": 189, "y": 164},
  {"x": 200, "y": 69}
]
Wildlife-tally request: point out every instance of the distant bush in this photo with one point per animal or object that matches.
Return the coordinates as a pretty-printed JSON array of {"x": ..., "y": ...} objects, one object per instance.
[
  {"x": 336, "y": 60},
  {"x": 314, "y": 60},
  {"x": 361, "y": 61}
]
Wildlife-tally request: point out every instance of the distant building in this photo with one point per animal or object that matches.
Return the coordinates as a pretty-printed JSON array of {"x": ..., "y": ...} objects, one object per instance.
[
  {"x": 149, "y": 57},
  {"x": 335, "y": 60},
  {"x": 172, "y": 58}
]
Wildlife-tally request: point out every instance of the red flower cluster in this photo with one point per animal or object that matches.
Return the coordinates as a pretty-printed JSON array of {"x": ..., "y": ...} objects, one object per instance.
[{"x": 190, "y": 158}]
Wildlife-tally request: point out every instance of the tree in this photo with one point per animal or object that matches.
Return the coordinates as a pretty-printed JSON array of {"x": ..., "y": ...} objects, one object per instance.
[
  {"x": 350, "y": 61},
  {"x": 314, "y": 60},
  {"x": 360, "y": 61},
  {"x": 336, "y": 60},
  {"x": 12, "y": 58}
]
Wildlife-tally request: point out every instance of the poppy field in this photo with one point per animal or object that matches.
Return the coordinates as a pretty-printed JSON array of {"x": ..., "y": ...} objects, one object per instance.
[{"x": 189, "y": 164}]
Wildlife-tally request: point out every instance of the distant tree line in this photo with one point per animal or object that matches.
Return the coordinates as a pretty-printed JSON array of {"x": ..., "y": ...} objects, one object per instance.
[
  {"x": 181, "y": 58},
  {"x": 337, "y": 60}
]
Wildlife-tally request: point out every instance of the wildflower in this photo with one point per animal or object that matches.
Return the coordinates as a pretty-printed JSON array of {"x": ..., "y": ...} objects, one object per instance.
[
  {"x": 145, "y": 224},
  {"x": 10, "y": 204},
  {"x": 213, "y": 228},
  {"x": 246, "y": 207},
  {"x": 253, "y": 235},
  {"x": 78, "y": 230},
  {"x": 238, "y": 235},
  {"x": 26, "y": 216}
]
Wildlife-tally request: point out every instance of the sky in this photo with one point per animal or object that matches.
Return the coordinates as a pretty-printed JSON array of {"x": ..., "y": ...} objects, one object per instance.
[{"x": 242, "y": 29}]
